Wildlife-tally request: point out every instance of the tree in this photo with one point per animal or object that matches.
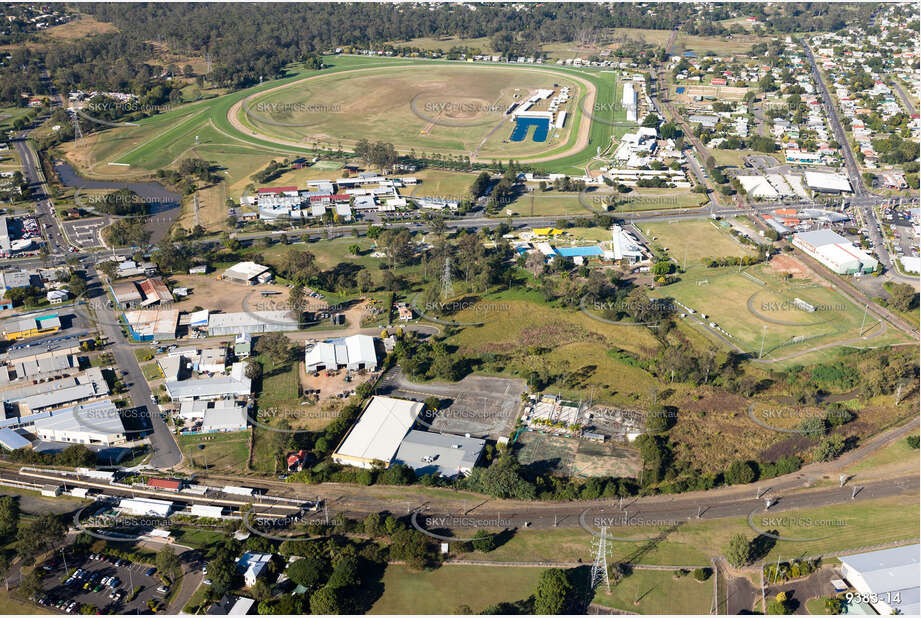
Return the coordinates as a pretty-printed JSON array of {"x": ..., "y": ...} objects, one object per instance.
[
  {"x": 276, "y": 346},
  {"x": 829, "y": 448},
  {"x": 253, "y": 369},
  {"x": 657, "y": 419},
  {"x": 325, "y": 601},
  {"x": 167, "y": 561},
  {"x": 297, "y": 299},
  {"x": 739, "y": 551},
  {"x": 108, "y": 268},
  {"x": 412, "y": 547},
  {"x": 552, "y": 590},
  {"x": 651, "y": 121},
  {"x": 741, "y": 472},
  {"x": 484, "y": 541},
  {"x": 261, "y": 591},
  {"x": 31, "y": 585},
  {"x": 9, "y": 516}
]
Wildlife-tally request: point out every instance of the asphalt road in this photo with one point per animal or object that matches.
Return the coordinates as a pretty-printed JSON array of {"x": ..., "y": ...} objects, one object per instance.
[{"x": 166, "y": 452}]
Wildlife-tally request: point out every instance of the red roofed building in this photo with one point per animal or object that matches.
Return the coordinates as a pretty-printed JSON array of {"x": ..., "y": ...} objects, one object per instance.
[
  {"x": 168, "y": 484},
  {"x": 718, "y": 81}
]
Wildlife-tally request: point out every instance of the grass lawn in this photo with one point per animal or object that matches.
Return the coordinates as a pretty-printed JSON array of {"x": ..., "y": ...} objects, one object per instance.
[
  {"x": 725, "y": 157},
  {"x": 694, "y": 240},
  {"x": 816, "y": 607},
  {"x": 143, "y": 354},
  {"x": 895, "y": 453},
  {"x": 658, "y": 592},
  {"x": 225, "y": 452},
  {"x": 445, "y": 589},
  {"x": 151, "y": 371},
  {"x": 10, "y": 606},
  {"x": 280, "y": 385},
  {"x": 538, "y": 204}
]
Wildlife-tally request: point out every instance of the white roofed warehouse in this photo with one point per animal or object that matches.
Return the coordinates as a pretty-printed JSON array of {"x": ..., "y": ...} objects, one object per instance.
[
  {"x": 822, "y": 182},
  {"x": 353, "y": 353},
  {"x": 375, "y": 437},
  {"x": 835, "y": 252},
  {"x": 890, "y": 576},
  {"x": 249, "y": 273},
  {"x": 251, "y": 322}
]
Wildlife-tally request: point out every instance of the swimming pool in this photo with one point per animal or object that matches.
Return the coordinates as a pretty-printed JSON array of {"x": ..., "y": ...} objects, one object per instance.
[
  {"x": 541, "y": 128},
  {"x": 579, "y": 251}
]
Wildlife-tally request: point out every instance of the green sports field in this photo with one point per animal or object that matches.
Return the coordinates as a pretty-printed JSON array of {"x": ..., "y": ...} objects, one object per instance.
[{"x": 754, "y": 302}]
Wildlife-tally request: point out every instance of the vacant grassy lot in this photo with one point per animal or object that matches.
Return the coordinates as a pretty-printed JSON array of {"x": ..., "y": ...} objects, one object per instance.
[
  {"x": 222, "y": 452},
  {"x": 896, "y": 453},
  {"x": 447, "y": 588},
  {"x": 658, "y": 592},
  {"x": 82, "y": 26},
  {"x": 694, "y": 240}
]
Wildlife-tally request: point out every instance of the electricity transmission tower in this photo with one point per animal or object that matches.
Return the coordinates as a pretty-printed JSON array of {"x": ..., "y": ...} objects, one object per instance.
[
  {"x": 600, "y": 561},
  {"x": 447, "y": 284}
]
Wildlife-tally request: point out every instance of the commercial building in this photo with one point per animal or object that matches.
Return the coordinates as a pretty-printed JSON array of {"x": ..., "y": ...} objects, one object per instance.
[
  {"x": 149, "y": 507},
  {"x": 888, "y": 578},
  {"x": 12, "y": 440},
  {"x": 44, "y": 366},
  {"x": 212, "y": 360},
  {"x": 87, "y": 386},
  {"x": 155, "y": 291},
  {"x": 4, "y": 235},
  {"x": 821, "y": 182},
  {"x": 126, "y": 294},
  {"x": 624, "y": 246},
  {"x": 376, "y": 435},
  {"x": 152, "y": 324},
  {"x": 440, "y": 454},
  {"x": 224, "y": 416},
  {"x": 218, "y": 387},
  {"x": 354, "y": 352},
  {"x": 249, "y": 273},
  {"x": 32, "y": 326},
  {"x": 251, "y": 322},
  {"x": 15, "y": 279},
  {"x": 206, "y": 510},
  {"x": 92, "y": 423},
  {"x": 835, "y": 252}
]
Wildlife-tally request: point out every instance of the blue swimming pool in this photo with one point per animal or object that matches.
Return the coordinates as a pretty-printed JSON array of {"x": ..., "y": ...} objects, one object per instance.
[
  {"x": 579, "y": 251},
  {"x": 541, "y": 128}
]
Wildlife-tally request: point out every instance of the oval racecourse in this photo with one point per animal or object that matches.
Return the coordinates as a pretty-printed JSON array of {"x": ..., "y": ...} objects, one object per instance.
[{"x": 456, "y": 110}]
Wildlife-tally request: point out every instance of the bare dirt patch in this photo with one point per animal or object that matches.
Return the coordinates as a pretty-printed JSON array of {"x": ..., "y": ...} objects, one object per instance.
[{"x": 781, "y": 264}]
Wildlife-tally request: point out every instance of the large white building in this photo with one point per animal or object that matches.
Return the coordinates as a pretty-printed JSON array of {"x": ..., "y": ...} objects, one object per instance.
[
  {"x": 628, "y": 100},
  {"x": 890, "y": 576},
  {"x": 835, "y": 252},
  {"x": 376, "y": 435},
  {"x": 354, "y": 352},
  {"x": 92, "y": 423},
  {"x": 822, "y": 182},
  {"x": 145, "y": 506},
  {"x": 251, "y": 322},
  {"x": 218, "y": 387}
]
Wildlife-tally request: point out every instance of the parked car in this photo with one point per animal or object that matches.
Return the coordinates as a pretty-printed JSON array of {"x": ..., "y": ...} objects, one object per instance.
[{"x": 150, "y": 571}]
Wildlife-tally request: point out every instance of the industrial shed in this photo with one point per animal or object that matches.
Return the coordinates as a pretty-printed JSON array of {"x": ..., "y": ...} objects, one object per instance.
[
  {"x": 376, "y": 435},
  {"x": 354, "y": 352},
  {"x": 251, "y": 322}
]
